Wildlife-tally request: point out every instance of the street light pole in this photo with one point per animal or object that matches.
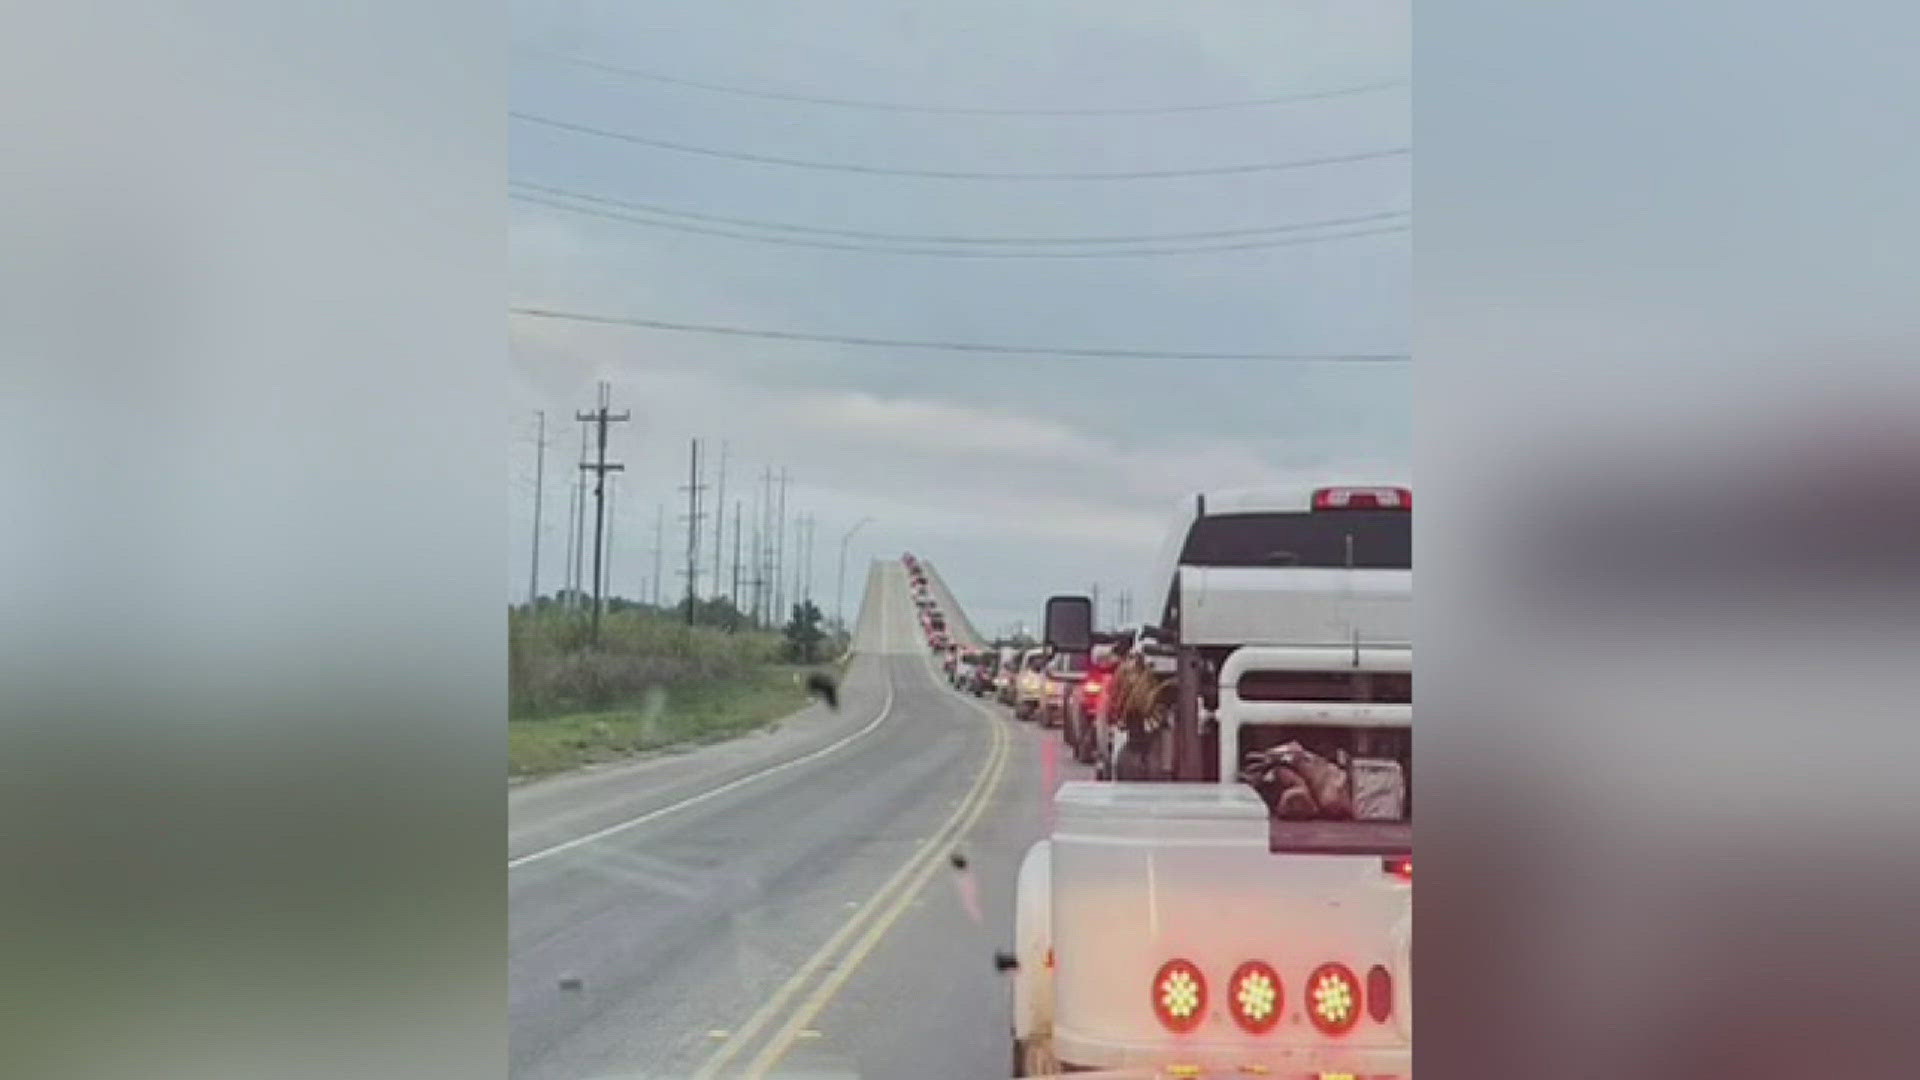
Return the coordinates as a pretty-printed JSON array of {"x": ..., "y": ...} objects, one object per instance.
[{"x": 840, "y": 590}]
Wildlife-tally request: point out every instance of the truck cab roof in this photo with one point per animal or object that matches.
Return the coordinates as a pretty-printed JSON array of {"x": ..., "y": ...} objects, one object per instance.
[{"x": 1295, "y": 564}]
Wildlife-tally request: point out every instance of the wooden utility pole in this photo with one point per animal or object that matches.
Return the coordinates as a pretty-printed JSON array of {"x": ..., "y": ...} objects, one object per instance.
[{"x": 600, "y": 418}]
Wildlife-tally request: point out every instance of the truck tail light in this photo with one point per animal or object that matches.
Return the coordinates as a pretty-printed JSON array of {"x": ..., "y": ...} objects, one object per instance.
[
  {"x": 1255, "y": 997},
  {"x": 1379, "y": 993},
  {"x": 1179, "y": 996},
  {"x": 1333, "y": 999},
  {"x": 1400, "y": 868},
  {"x": 1363, "y": 498}
]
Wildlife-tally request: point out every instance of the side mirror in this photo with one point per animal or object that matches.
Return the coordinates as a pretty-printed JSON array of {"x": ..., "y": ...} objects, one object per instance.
[{"x": 1069, "y": 623}]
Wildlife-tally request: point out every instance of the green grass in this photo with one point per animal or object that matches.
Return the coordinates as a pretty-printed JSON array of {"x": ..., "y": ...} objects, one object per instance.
[
  {"x": 651, "y": 682},
  {"x": 667, "y": 715}
]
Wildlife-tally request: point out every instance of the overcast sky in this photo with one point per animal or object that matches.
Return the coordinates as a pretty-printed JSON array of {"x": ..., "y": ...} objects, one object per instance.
[{"x": 1017, "y": 476}]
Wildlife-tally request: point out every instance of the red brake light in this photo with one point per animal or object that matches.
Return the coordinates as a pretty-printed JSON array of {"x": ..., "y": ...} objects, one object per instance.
[
  {"x": 1179, "y": 996},
  {"x": 1400, "y": 868},
  {"x": 1333, "y": 999},
  {"x": 1379, "y": 993},
  {"x": 1255, "y": 997},
  {"x": 1093, "y": 687},
  {"x": 1363, "y": 498}
]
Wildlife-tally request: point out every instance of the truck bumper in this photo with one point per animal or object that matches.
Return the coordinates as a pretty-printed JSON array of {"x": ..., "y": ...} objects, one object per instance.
[{"x": 1081, "y": 1052}]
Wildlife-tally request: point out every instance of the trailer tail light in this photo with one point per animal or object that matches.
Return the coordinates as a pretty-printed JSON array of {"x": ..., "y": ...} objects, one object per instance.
[
  {"x": 1363, "y": 498},
  {"x": 1333, "y": 999},
  {"x": 1379, "y": 993},
  {"x": 1179, "y": 996},
  {"x": 1255, "y": 997}
]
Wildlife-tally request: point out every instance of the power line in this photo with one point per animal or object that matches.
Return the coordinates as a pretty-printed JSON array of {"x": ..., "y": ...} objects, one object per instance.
[
  {"x": 951, "y": 346},
  {"x": 784, "y": 241},
  {"x": 938, "y": 238},
  {"x": 956, "y": 174},
  {"x": 969, "y": 110}
]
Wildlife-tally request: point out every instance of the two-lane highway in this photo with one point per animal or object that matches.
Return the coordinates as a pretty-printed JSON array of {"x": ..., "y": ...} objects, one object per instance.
[{"x": 783, "y": 905}]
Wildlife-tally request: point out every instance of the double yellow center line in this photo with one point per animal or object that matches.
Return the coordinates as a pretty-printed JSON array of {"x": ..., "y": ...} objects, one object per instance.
[{"x": 857, "y": 937}]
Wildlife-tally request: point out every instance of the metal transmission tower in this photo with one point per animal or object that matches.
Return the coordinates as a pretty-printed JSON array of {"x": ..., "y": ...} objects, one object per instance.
[
  {"x": 780, "y": 552},
  {"x": 567, "y": 554},
  {"x": 806, "y": 591},
  {"x": 734, "y": 594},
  {"x": 753, "y": 559},
  {"x": 659, "y": 544},
  {"x": 693, "y": 489},
  {"x": 600, "y": 418},
  {"x": 719, "y": 517},
  {"x": 799, "y": 544},
  {"x": 606, "y": 577},
  {"x": 577, "y": 574},
  {"x": 539, "y": 474},
  {"x": 799, "y": 561},
  {"x": 764, "y": 601}
]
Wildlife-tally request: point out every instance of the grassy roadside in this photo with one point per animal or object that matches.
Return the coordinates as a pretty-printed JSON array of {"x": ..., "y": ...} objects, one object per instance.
[
  {"x": 689, "y": 714},
  {"x": 652, "y": 682}
]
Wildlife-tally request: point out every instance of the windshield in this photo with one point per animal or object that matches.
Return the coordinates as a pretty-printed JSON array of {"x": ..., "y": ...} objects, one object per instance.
[
  {"x": 813, "y": 309},
  {"x": 1333, "y": 539}
]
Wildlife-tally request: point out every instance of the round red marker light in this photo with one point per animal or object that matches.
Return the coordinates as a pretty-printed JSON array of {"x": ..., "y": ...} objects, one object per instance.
[
  {"x": 1179, "y": 996},
  {"x": 1333, "y": 999},
  {"x": 1254, "y": 997}
]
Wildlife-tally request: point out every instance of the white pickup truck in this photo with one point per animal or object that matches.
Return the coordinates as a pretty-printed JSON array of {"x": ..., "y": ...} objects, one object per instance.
[{"x": 1182, "y": 926}]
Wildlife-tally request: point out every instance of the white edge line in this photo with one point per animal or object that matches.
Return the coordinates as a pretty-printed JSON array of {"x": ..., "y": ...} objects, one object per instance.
[
  {"x": 598, "y": 834},
  {"x": 730, "y": 785}
]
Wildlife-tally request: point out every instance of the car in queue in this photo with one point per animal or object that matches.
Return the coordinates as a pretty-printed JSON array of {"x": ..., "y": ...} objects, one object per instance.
[{"x": 1062, "y": 673}]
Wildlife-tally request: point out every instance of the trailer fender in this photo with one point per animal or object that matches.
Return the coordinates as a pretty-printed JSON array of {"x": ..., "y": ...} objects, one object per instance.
[{"x": 1033, "y": 943}]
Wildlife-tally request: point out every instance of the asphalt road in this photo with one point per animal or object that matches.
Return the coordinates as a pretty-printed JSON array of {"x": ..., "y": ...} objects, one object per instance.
[{"x": 784, "y": 905}]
